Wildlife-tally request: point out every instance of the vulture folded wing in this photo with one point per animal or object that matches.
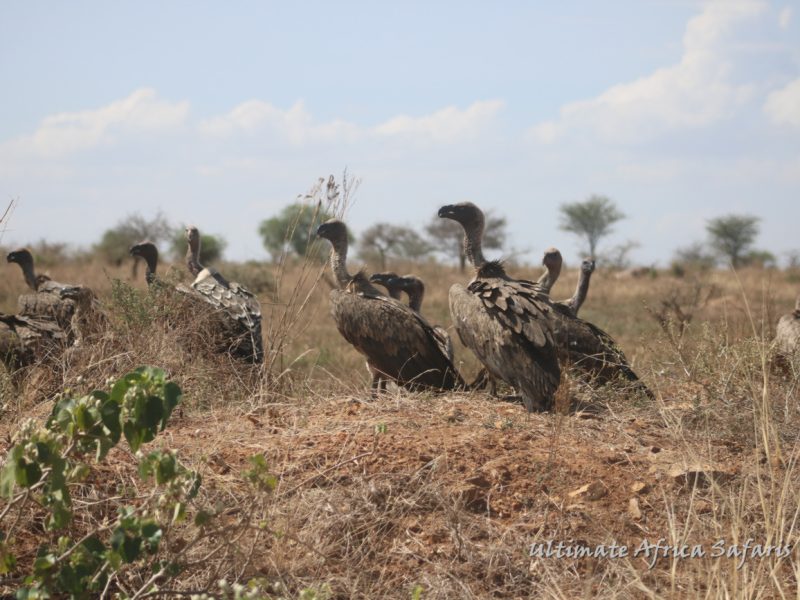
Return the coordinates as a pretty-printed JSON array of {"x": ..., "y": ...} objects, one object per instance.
[
  {"x": 514, "y": 343},
  {"x": 396, "y": 341}
]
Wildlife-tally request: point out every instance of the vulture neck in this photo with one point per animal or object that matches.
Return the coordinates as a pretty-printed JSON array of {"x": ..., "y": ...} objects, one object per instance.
[
  {"x": 549, "y": 277},
  {"x": 29, "y": 274},
  {"x": 472, "y": 246},
  {"x": 797, "y": 308},
  {"x": 193, "y": 257},
  {"x": 415, "y": 296},
  {"x": 581, "y": 290},
  {"x": 152, "y": 265},
  {"x": 338, "y": 260}
]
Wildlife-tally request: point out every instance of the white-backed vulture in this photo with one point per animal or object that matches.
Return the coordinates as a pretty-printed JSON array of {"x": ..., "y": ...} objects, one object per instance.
[
  {"x": 232, "y": 298},
  {"x": 25, "y": 340},
  {"x": 148, "y": 252},
  {"x": 48, "y": 298},
  {"x": 587, "y": 347},
  {"x": 397, "y": 342},
  {"x": 74, "y": 307},
  {"x": 787, "y": 337},
  {"x": 507, "y": 323}
]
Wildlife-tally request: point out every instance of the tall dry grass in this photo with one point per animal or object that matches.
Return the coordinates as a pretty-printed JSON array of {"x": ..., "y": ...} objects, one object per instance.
[{"x": 443, "y": 495}]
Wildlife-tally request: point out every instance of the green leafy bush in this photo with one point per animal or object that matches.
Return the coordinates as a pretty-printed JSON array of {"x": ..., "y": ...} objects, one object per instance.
[{"x": 45, "y": 462}]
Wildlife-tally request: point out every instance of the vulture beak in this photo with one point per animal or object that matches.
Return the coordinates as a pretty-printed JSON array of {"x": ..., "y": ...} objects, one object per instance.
[{"x": 447, "y": 212}]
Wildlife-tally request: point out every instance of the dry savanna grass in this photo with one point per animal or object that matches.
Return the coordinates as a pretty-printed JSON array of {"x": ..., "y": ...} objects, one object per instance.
[{"x": 419, "y": 495}]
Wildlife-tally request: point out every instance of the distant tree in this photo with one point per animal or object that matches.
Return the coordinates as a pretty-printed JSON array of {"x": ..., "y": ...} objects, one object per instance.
[
  {"x": 793, "y": 259},
  {"x": 618, "y": 257},
  {"x": 114, "y": 245},
  {"x": 760, "y": 258},
  {"x": 47, "y": 253},
  {"x": 212, "y": 247},
  {"x": 591, "y": 219},
  {"x": 384, "y": 239},
  {"x": 694, "y": 257},
  {"x": 293, "y": 229},
  {"x": 732, "y": 236},
  {"x": 447, "y": 236}
]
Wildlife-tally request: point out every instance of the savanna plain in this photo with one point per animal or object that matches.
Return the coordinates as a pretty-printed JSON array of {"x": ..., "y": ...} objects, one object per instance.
[{"x": 419, "y": 495}]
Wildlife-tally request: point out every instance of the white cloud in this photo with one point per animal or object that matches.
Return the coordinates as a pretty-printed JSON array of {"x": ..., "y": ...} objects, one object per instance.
[
  {"x": 295, "y": 124},
  {"x": 68, "y": 132},
  {"x": 785, "y": 17},
  {"x": 783, "y": 106},
  {"x": 693, "y": 93},
  {"x": 447, "y": 125}
]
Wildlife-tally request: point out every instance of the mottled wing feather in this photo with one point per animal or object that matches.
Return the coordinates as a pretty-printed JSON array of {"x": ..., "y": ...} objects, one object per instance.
[
  {"x": 396, "y": 341},
  {"x": 47, "y": 305},
  {"x": 591, "y": 349},
  {"x": 514, "y": 345},
  {"x": 236, "y": 302},
  {"x": 36, "y": 336},
  {"x": 787, "y": 336}
]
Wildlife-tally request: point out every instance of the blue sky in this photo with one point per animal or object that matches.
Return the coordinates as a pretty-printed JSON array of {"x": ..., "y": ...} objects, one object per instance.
[{"x": 220, "y": 115}]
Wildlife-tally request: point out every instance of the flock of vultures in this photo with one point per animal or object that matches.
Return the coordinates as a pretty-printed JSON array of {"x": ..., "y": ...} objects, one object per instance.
[{"x": 520, "y": 335}]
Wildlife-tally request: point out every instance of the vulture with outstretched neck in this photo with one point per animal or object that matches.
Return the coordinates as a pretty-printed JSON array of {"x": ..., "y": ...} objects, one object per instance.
[
  {"x": 585, "y": 346},
  {"x": 398, "y": 343},
  {"x": 506, "y": 322}
]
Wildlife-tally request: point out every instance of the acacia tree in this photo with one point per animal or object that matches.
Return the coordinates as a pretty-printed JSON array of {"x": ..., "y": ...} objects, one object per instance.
[
  {"x": 732, "y": 236},
  {"x": 447, "y": 236},
  {"x": 385, "y": 239},
  {"x": 293, "y": 229},
  {"x": 591, "y": 219},
  {"x": 114, "y": 245}
]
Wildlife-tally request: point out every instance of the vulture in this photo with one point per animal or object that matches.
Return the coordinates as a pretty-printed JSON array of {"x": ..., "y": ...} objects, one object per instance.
[
  {"x": 73, "y": 307},
  {"x": 507, "y": 323},
  {"x": 397, "y": 342},
  {"x": 25, "y": 340},
  {"x": 585, "y": 346},
  {"x": 787, "y": 337},
  {"x": 148, "y": 252},
  {"x": 230, "y": 297},
  {"x": 414, "y": 288},
  {"x": 47, "y": 299}
]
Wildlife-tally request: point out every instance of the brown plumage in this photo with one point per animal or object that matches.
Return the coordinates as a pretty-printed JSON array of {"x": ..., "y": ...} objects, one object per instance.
[
  {"x": 414, "y": 288},
  {"x": 25, "y": 340},
  {"x": 230, "y": 297},
  {"x": 787, "y": 337},
  {"x": 584, "y": 345},
  {"x": 74, "y": 307},
  {"x": 48, "y": 299},
  {"x": 398, "y": 343},
  {"x": 506, "y": 322}
]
